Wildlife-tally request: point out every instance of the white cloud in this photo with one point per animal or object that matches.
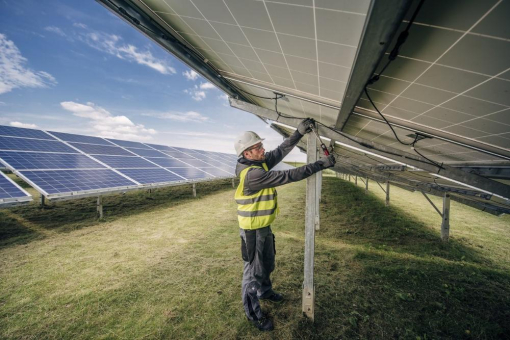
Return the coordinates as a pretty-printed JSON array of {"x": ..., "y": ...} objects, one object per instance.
[
  {"x": 190, "y": 75},
  {"x": 79, "y": 25},
  {"x": 190, "y": 116},
  {"x": 106, "y": 125},
  {"x": 13, "y": 73},
  {"x": 198, "y": 95},
  {"x": 23, "y": 125},
  {"x": 207, "y": 86},
  {"x": 55, "y": 30},
  {"x": 111, "y": 44}
]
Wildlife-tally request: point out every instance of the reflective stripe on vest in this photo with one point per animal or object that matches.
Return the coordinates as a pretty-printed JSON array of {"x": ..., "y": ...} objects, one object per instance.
[{"x": 258, "y": 210}]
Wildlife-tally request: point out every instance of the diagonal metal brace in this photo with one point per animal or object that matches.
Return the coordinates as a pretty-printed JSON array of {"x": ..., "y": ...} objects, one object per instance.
[{"x": 432, "y": 203}]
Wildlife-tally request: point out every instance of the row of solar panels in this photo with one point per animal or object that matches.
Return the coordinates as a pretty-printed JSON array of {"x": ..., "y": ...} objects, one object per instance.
[{"x": 61, "y": 165}]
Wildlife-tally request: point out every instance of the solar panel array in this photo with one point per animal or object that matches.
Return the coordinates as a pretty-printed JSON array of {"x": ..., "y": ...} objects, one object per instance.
[
  {"x": 11, "y": 193},
  {"x": 62, "y": 165}
]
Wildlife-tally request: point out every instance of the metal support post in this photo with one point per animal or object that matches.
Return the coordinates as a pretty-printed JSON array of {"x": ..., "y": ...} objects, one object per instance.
[
  {"x": 43, "y": 202},
  {"x": 366, "y": 186},
  {"x": 318, "y": 200},
  {"x": 445, "y": 225},
  {"x": 349, "y": 178},
  {"x": 387, "y": 193},
  {"x": 356, "y": 179},
  {"x": 233, "y": 183},
  {"x": 150, "y": 193},
  {"x": 194, "y": 190},
  {"x": 311, "y": 206},
  {"x": 100, "y": 207}
]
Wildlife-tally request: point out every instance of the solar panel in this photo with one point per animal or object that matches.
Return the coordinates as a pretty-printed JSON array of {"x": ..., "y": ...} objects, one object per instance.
[
  {"x": 69, "y": 137},
  {"x": 11, "y": 193},
  {"x": 168, "y": 162},
  {"x": 24, "y": 144},
  {"x": 146, "y": 152},
  {"x": 217, "y": 172},
  {"x": 93, "y": 149},
  {"x": 69, "y": 181},
  {"x": 190, "y": 173},
  {"x": 117, "y": 162},
  {"x": 22, "y": 132},
  {"x": 58, "y": 170},
  {"x": 32, "y": 161},
  {"x": 151, "y": 176},
  {"x": 160, "y": 147},
  {"x": 128, "y": 144}
]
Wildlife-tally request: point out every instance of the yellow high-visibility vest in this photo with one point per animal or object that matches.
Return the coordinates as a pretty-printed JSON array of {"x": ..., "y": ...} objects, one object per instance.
[{"x": 258, "y": 210}]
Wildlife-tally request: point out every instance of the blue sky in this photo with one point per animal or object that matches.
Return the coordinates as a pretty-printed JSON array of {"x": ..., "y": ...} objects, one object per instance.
[{"x": 72, "y": 66}]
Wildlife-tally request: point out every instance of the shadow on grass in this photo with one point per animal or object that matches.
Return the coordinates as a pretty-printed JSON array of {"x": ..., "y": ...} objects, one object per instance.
[
  {"x": 357, "y": 218},
  {"x": 24, "y": 224},
  {"x": 397, "y": 280}
]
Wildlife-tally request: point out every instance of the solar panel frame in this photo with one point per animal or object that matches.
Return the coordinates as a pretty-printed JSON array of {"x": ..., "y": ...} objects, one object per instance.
[
  {"x": 10, "y": 131},
  {"x": 11, "y": 193}
]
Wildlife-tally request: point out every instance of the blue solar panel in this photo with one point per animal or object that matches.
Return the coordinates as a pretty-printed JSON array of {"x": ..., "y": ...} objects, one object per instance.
[
  {"x": 229, "y": 169},
  {"x": 147, "y": 153},
  {"x": 23, "y": 144},
  {"x": 125, "y": 162},
  {"x": 175, "y": 154},
  {"x": 69, "y": 137},
  {"x": 128, "y": 144},
  {"x": 66, "y": 181},
  {"x": 194, "y": 162},
  {"x": 168, "y": 162},
  {"x": 21, "y": 132},
  {"x": 151, "y": 176},
  {"x": 92, "y": 149},
  {"x": 32, "y": 160},
  {"x": 9, "y": 189},
  {"x": 217, "y": 172},
  {"x": 190, "y": 173},
  {"x": 161, "y": 147}
]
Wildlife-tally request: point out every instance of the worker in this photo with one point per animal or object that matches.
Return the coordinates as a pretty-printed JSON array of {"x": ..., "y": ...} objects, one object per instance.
[{"x": 257, "y": 208}]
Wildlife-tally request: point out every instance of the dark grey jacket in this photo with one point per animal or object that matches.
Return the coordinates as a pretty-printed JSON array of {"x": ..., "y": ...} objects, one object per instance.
[{"x": 258, "y": 178}]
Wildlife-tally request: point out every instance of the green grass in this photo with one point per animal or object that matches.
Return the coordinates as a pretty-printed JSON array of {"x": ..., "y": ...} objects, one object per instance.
[{"x": 169, "y": 267}]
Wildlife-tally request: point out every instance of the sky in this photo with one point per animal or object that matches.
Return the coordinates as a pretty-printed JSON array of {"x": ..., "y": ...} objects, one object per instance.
[{"x": 73, "y": 66}]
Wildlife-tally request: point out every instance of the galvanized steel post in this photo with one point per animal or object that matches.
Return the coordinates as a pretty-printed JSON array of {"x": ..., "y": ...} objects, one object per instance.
[
  {"x": 445, "y": 225},
  {"x": 194, "y": 190},
  {"x": 311, "y": 206},
  {"x": 387, "y": 193},
  {"x": 100, "y": 207}
]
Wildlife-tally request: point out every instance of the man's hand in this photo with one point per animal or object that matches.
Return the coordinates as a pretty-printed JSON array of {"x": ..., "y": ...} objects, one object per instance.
[
  {"x": 327, "y": 161},
  {"x": 304, "y": 127}
]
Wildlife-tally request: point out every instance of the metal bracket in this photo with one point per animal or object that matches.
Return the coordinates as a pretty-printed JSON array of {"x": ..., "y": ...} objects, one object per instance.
[{"x": 432, "y": 203}]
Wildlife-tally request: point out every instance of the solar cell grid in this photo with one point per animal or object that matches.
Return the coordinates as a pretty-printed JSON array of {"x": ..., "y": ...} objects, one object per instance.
[
  {"x": 92, "y": 149},
  {"x": 67, "y": 181},
  {"x": 32, "y": 160},
  {"x": 160, "y": 147},
  {"x": 217, "y": 172},
  {"x": 22, "y": 132},
  {"x": 146, "y": 152},
  {"x": 168, "y": 162},
  {"x": 190, "y": 173},
  {"x": 8, "y": 189},
  {"x": 125, "y": 162},
  {"x": 151, "y": 176},
  {"x": 23, "y": 144},
  {"x": 128, "y": 144},
  {"x": 194, "y": 162},
  {"x": 69, "y": 137}
]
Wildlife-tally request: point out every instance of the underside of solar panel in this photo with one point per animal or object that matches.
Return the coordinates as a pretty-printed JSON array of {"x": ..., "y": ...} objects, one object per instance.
[
  {"x": 434, "y": 74},
  {"x": 62, "y": 165}
]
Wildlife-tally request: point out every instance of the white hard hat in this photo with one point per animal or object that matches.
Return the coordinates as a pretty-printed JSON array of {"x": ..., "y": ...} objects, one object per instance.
[{"x": 244, "y": 141}]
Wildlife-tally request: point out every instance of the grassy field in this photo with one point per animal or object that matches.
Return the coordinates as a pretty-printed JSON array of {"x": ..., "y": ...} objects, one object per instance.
[{"x": 169, "y": 267}]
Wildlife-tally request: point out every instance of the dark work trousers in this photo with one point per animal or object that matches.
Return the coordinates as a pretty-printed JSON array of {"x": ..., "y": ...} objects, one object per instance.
[{"x": 258, "y": 251}]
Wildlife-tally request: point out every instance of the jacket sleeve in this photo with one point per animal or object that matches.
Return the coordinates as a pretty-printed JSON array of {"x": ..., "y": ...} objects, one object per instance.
[
  {"x": 258, "y": 179},
  {"x": 275, "y": 156}
]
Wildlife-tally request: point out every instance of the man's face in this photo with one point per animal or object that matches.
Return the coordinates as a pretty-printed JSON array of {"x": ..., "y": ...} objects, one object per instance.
[{"x": 255, "y": 153}]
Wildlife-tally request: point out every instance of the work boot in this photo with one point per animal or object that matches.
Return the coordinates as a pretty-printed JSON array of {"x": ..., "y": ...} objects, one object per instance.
[
  {"x": 273, "y": 297},
  {"x": 263, "y": 324}
]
